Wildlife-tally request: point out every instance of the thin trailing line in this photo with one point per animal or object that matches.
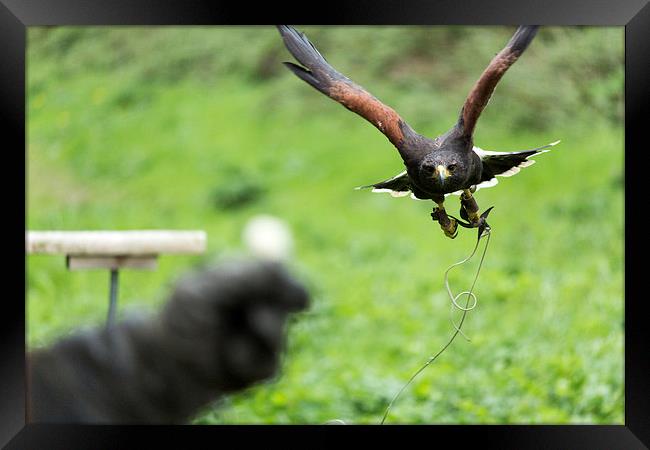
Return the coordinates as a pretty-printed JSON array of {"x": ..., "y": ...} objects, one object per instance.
[{"x": 465, "y": 309}]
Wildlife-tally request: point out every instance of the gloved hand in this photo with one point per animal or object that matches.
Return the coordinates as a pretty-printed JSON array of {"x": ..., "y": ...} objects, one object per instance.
[{"x": 221, "y": 330}]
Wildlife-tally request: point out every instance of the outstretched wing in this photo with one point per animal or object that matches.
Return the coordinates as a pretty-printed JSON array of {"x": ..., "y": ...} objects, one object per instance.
[
  {"x": 506, "y": 164},
  {"x": 319, "y": 74},
  {"x": 495, "y": 164},
  {"x": 482, "y": 91},
  {"x": 398, "y": 186}
]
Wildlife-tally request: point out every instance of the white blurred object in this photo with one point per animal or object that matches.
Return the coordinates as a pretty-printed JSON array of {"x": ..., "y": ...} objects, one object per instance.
[
  {"x": 268, "y": 237},
  {"x": 335, "y": 422}
]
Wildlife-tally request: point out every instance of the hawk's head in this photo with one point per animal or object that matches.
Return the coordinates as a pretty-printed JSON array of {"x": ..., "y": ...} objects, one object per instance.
[{"x": 442, "y": 172}]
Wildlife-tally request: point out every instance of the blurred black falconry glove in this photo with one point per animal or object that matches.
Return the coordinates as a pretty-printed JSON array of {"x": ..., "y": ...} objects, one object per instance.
[{"x": 221, "y": 330}]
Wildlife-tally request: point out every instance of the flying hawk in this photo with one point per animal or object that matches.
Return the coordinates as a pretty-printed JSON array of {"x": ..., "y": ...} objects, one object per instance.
[{"x": 435, "y": 168}]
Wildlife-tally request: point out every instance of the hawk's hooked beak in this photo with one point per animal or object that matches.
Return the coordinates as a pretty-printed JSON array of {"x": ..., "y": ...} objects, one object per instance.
[{"x": 442, "y": 173}]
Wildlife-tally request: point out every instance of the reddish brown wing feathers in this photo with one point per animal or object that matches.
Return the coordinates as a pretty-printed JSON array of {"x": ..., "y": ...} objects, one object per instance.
[
  {"x": 316, "y": 71},
  {"x": 482, "y": 90},
  {"x": 361, "y": 102}
]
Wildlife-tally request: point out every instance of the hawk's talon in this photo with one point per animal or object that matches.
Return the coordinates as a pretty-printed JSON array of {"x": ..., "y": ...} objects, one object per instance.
[
  {"x": 451, "y": 231},
  {"x": 483, "y": 225},
  {"x": 469, "y": 207},
  {"x": 464, "y": 224},
  {"x": 463, "y": 213},
  {"x": 472, "y": 220},
  {"x": 448, "y": 224}
]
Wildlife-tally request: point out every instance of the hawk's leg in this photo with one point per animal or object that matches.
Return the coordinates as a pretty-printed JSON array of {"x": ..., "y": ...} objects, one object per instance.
[
  {"x": 448, "y": 224},
  {"x": 469, "y": 208}
]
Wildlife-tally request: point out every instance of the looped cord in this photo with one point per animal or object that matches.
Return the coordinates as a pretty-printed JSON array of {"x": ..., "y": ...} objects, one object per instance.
[{"x": 487, "y": 233}]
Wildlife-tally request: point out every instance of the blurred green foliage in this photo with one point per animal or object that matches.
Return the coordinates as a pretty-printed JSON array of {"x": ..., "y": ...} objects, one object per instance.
[
  {"x": 577, "y": 70},
  {"x": 202, "y": 128}
]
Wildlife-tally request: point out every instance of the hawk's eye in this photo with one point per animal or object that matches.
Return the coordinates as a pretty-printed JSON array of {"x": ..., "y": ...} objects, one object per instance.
[{"x": 451, "y": 167}]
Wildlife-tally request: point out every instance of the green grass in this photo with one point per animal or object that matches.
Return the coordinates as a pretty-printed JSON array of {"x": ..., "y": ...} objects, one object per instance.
[{"x": 105, "y": 152}]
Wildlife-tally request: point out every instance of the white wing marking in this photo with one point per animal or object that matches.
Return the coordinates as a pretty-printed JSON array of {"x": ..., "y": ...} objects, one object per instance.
[
  {"x": 483, "y": 153},
  {"x": 392, "y": 192},
  {"x": 420, "y": 199},
  {"x": 510, "y": 172}
]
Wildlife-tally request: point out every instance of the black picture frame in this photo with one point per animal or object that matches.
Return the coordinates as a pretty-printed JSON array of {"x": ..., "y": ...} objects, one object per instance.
[{"x": 16, "y": 15}]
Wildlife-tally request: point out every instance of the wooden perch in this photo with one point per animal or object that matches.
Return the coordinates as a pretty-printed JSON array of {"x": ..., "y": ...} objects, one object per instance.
[
  {"x": 114, "y": 249},
  {"x": 115, "y": 242}
]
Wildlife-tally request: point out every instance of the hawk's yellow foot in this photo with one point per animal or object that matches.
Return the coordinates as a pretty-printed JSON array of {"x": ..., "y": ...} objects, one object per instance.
[
  {"x": 451, "y": 230},
  {"x": 448, "y": 224},
  {"x": 469, "y": 208}
]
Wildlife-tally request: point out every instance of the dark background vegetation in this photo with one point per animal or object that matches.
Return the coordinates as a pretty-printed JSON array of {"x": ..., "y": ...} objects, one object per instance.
[{"x": 203, "y": 128}]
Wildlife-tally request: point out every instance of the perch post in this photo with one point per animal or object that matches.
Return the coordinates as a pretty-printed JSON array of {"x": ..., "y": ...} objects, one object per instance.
[{"x": 114, "y": 250}]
